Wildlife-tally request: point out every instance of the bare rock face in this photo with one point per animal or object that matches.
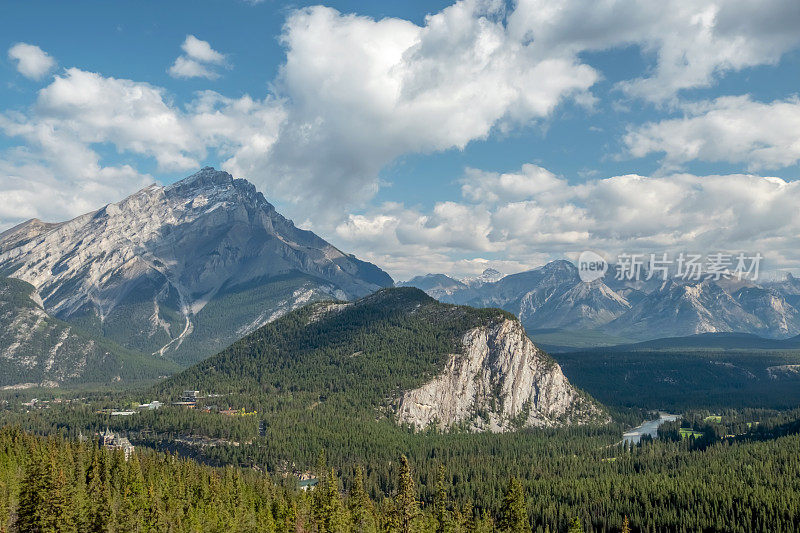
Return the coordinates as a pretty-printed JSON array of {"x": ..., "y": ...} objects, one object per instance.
[{"x": 501, "y": 382}]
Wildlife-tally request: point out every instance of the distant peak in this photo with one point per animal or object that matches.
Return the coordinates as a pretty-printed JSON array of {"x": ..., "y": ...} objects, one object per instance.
[{"x": 559, "y": 265}]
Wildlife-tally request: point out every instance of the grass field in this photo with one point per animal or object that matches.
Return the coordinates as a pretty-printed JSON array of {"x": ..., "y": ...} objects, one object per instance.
[{"x": 686, "y": 433}]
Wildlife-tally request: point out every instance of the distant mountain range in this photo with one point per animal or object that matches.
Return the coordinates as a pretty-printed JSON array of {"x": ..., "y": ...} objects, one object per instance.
[
  {"x": 553, "y": 299},
  {"x": 711, "y": 341},
  {"x": 180, "y": 271}
]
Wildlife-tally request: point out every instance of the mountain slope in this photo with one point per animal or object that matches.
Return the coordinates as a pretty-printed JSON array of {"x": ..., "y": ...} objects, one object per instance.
[
  {"x": 710, "y": 341},
  {"x": 681, "y": 309},
  {"x": 36, "y": 349},
  {"x": 384, "y": 354},
  {"x": 181, "y": 270},
  {"x": 501, "y": 382}
]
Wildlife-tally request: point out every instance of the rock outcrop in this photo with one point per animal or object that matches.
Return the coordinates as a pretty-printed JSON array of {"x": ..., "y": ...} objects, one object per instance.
[{"x": 500, "y": 382}]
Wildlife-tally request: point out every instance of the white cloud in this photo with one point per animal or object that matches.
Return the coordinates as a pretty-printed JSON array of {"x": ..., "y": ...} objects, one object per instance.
[
  {"x": 189, "y": 68},
  {"x": 628, "y": 213},
  {"x": 692, "y": 42},
  {"x": 32, "y": 61},
  {"x": 59, "y": 174},
  {"x": 733, "y": 129},
  {"x": 490, "y": 187},
  {"x": 361, "y": 92},
  {"x": 201, "y": 51},
  {"x": 199, "y": 60}
]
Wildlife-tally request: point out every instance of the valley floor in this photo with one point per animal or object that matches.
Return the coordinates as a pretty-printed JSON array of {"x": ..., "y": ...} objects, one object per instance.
[{"x": 734, "y": 470}]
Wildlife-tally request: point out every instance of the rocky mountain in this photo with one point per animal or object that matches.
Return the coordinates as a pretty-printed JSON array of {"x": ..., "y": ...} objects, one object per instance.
[
  {"x": 490, "y": 275},
  {"x": 553, "y": 297},
  {"x": 182, "y": 270},
  {"x": 400, "y": 355},
  {"x": 504, "y": 378},
  {"x": 438, "y": 286},
  {"x": 39, "y": 350}
]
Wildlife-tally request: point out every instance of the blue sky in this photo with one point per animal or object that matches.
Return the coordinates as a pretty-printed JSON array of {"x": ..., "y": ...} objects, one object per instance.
[{"x": 423, "y": 136}]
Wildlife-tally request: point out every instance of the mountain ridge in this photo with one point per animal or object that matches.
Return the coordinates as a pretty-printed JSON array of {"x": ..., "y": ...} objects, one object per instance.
[{"x": 554, "y": 297}]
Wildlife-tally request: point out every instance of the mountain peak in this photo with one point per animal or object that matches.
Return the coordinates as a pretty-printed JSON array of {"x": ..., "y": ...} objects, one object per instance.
[
  {"x": 203, "y": 178},
  {"x": 156, "y": 266},
  {"x": 559, "y": 265}
]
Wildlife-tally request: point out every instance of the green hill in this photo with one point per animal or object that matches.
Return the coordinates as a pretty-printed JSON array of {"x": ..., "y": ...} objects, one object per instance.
[
  {"x": 332, "y": 374},
  {"x": 353, "y": 355}
]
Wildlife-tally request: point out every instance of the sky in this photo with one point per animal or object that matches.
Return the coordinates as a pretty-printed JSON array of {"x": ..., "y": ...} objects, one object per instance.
[{"x": 422, "y": 136}]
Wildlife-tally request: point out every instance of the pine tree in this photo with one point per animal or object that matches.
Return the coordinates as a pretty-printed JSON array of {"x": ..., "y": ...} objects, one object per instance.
[
  {"x": 485, "y": 524},
  {"x": 58, "y": 511},
  {"x": 443, "y": 518},
  {"x": 329, "y": 511},
  {"x": 133, "y": 494},
  {"x": 466, "y": 518},
  {"x": 155, "y": 519},
  {"x": 406, "y": 504},
  {"x": 361, "y": 508},
  {"x": 514, "y": 511},
  {"x": 626, "y": 527},
  {"x": 575, "y": 525},
  {"x": 98, "y": 494},
  {"x": 33, "y": 493}
]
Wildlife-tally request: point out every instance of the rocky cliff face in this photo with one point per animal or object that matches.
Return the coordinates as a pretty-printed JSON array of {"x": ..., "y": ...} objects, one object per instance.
[
  {"x": 181, "y": 270},
  {"x": 500, "y": 382}
]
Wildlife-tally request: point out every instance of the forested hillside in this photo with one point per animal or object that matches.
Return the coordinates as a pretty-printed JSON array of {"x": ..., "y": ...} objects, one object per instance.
[{"x": 57, "y": 485}]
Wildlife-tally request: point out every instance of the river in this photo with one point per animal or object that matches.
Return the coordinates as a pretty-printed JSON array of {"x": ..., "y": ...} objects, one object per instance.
[{"x": 649, "y": 427}]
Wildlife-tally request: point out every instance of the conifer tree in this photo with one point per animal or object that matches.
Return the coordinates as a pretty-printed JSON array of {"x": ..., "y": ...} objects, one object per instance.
[
  {"x": 514, "y": 511},
  {"x": 33, "y": 493},
  {"x": 98, "y": 494},
  {"x": 329, "y": 511},
  {"x": 575, "y": 525},
  {"x": 626, "y": 526},
  {"x": 466, "y": 518},
  {"x": 360, "y": 505},
  {"x": 406, "y": 504},
  {"x": 133, "y": 496},
  {"x": 155, "y": 520},
  {"x": 443, "y": 518},
  {"x": 58, "y": 512}
]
